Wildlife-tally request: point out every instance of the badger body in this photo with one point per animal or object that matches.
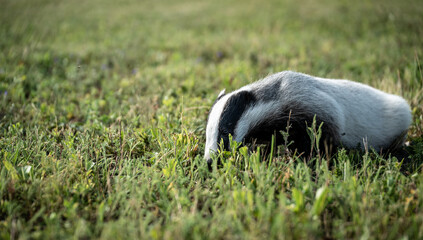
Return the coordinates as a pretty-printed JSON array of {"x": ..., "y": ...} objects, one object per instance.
[{"x": 353, "y": 114}]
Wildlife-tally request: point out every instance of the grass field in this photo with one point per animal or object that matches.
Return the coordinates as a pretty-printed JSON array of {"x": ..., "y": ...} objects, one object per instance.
[{"x": 103, "y": 106}]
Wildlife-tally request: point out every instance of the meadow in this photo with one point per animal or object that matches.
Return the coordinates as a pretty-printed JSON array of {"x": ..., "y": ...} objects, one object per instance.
[{"x": 103, "y": 107}]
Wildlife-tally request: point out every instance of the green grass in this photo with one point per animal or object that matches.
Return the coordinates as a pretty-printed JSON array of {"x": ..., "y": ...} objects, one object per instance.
[{"x": 103, "y": 106}]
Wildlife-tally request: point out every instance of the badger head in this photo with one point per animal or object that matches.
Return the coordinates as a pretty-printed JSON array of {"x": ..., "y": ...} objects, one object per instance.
[
  {"x": 252, "y": 118},
  {"x": 223, "y": 119}
]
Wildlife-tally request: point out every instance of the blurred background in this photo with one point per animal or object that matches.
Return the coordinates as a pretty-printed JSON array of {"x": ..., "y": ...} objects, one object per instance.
[{"x": 127, "y": 56}]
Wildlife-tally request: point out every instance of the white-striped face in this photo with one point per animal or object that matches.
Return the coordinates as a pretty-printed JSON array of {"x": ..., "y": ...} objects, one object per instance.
[{"x": 224, "y": 118}]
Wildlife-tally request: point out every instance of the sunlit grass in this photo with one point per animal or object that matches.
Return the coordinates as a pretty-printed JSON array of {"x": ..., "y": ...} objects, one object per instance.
[{"x": 103, "y": 106}]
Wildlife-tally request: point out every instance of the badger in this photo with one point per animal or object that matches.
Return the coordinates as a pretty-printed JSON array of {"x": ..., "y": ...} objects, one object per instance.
[{"x": 353, "y": 115}]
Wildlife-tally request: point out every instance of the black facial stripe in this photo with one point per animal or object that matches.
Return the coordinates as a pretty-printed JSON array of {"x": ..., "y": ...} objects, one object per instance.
[{"x": 232, "y": 112}]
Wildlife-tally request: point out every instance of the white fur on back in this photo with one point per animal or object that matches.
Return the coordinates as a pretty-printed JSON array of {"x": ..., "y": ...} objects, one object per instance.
[{"x": 369, "y": 113}]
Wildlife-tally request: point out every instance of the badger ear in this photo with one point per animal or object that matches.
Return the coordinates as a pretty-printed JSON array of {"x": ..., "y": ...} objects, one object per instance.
[{"x": 221, "y": 94}]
